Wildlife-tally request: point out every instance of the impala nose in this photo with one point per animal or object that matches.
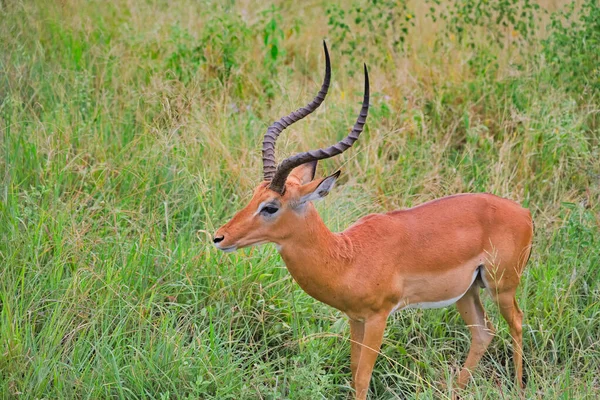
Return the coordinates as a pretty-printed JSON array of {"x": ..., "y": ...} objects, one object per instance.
[{"x": 218, "y": 239}]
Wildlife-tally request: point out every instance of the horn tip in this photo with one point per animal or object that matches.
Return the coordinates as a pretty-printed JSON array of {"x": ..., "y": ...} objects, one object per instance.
[{"x": 327, "y": 61}]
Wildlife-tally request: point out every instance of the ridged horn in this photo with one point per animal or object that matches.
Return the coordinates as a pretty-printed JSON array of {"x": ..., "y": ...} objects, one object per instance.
[
  {"x": 268, "y": 148},
  {"x": 286, "y": 166}
]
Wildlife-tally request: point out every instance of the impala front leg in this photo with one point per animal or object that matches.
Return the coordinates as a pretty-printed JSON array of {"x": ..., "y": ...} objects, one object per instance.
[
  {"x": 357, "y": 331},
  {"x": 372, "y": 338}
]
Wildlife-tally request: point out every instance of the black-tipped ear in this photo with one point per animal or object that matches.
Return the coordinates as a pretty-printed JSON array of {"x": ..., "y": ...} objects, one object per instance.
[
  {"x": 318, "y": 189},
  {"x": 327, "y": 184}
]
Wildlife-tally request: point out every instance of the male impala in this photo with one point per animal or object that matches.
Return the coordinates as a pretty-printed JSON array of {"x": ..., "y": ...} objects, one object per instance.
[{"x": 433, "y": 255}]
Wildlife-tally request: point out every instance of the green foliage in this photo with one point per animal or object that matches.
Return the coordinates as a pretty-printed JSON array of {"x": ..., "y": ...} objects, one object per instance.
[
  {"x": 374, "y": 30},
  {"x": 217, "y": 52},
  {"x": 572, "y": 46},
  {"x": 221, "y": 49},
  {"x": 272, "y": 39},
  {"x": 497, "y": 21},
  {"x": 129, "y": 131}
]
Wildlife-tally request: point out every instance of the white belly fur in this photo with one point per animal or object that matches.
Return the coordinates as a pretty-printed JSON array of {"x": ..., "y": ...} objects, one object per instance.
[{"x": 435, "y": 304}]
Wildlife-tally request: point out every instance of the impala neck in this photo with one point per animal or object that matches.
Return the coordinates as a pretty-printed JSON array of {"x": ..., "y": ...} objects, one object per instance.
[
  {"x": 310, "y": 236},
  {"x": 313, "y": 254}
]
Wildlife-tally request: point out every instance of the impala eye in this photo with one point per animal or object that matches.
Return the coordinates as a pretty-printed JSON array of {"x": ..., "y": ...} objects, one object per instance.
[{"x": 269, "y": 210}]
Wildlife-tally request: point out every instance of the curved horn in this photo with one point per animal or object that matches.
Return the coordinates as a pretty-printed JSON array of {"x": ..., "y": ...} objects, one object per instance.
[
  {"x": 268, "y": 149},
  {"x": 286, "y": 166}
]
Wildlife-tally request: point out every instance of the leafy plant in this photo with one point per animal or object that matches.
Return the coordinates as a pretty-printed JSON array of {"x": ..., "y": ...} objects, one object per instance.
[
  {"x": 219, "y": 50},
  {"x": 476, "y": 21},
  {"x": 573, "y": 47},
  {"x": 273, "y": 52},
  {"x": 370, "y": 29}
]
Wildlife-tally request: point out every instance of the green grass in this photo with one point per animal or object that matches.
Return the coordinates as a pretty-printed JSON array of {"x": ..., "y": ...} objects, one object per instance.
[{"x": 129, "y": 131}]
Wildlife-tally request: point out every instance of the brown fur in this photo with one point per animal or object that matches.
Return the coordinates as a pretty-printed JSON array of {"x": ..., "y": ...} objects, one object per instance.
[{"x": 429, "y": 253}]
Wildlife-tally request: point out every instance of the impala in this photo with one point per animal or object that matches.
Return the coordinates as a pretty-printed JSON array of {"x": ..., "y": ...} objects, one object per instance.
[{"x": 433, "y": 255}]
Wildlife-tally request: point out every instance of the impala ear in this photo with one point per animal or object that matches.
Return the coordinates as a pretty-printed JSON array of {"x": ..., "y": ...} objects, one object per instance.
[
  {"x": 318, "y": 189},
  {"x": 304, "y": 173}
]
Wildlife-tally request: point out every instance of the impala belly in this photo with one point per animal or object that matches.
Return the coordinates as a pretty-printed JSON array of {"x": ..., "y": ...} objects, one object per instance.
[
  {"x": 406, "y": 302},
  {"x": 432, "y": 304}
]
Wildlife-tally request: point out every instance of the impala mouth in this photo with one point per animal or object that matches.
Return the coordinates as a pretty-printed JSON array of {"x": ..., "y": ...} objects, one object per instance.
[{"x": 227, "y": 249}]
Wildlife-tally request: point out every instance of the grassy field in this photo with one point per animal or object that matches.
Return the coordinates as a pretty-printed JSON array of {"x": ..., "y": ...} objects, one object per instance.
[{"x": 131, "y": 130}]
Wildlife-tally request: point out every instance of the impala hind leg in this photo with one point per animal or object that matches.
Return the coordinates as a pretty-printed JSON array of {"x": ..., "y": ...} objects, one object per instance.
[
  {"x": 357, "y": 331},
  {"x": 513, "y": 315},
  {"x": 372, "y": 338},
  {"x": 482, "y": 331}
]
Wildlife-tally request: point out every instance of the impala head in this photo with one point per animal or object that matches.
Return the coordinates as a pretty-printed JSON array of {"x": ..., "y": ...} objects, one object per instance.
[{"x": 282, "y": 199}]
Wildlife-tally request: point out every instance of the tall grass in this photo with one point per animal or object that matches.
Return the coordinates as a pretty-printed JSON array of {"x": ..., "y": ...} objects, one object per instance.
[{"x": 130, "y": 130}]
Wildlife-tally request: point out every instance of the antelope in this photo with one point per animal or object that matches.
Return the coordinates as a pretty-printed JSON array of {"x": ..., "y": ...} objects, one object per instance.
[{"x": 433, "y": 255}]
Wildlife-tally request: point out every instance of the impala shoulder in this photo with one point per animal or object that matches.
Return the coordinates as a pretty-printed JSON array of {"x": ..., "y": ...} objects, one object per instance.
[
  {"x": 370, "y": 222},
  {"x": 370, "y": 218}
]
